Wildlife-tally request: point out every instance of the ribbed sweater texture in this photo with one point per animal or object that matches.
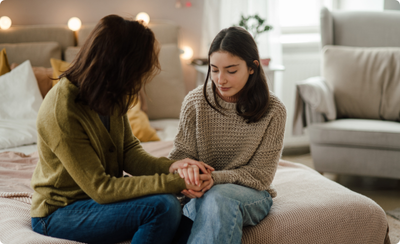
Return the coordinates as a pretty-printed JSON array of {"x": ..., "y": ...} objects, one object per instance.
[{"x": 241, "y": 153}]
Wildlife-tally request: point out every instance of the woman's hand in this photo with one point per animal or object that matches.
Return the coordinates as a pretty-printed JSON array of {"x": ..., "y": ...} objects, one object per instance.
[
  {"x": 197, "y": 192},
  {"x": 189, "y": 169},
  {"x": 190, "y": 174}
]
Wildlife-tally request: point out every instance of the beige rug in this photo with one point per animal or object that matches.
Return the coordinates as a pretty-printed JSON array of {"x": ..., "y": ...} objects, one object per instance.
[{"x": 394, "y": 229}]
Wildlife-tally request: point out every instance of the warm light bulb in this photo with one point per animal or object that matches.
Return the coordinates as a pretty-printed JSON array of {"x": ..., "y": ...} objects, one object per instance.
[
  {"x": 74, "y": 23},
  {"x": 187, "y": 53},
  {"x": 144, "y": 17},
  {"x": 5, "y": 22}
]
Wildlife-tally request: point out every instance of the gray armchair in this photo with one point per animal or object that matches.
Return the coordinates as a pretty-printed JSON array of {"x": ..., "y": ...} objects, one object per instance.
[{"x": 352, "y": 112}]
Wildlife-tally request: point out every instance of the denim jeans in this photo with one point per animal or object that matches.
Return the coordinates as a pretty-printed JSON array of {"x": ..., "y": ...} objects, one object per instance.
[
  {"x": 219, "y": 216},
  {"x": 150, "y": 219}
]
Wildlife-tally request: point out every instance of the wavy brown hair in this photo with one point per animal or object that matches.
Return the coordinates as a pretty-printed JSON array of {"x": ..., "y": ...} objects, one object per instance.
[
  {"x": 117, "y": 59},
  {"x": 254, "y": 97}
]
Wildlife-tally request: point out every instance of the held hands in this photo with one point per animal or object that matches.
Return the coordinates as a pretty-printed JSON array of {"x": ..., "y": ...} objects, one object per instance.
[
  {"x": 193, "y": 191},
  {"x": 196, "y": 184}
]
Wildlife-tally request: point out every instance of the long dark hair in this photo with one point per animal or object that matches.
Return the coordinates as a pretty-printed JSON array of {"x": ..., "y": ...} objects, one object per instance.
[
  {"x": 117, "y": 59},
  {"x": 253, "y": 101}
]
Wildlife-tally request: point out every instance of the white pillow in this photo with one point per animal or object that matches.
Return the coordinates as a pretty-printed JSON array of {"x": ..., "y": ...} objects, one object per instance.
[{"x": 20, "y": 100}]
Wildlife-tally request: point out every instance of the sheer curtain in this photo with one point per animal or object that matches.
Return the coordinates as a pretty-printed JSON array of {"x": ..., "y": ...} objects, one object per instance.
[{"x": 220, "y": 14}]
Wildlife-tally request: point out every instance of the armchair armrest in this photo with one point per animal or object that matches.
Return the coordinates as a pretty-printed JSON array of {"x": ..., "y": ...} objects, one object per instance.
[{"x": 314, "y": 103}]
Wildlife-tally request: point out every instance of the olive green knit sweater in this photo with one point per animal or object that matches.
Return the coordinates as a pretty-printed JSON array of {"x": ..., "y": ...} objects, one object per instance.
[{"x": 80, "y": 159}]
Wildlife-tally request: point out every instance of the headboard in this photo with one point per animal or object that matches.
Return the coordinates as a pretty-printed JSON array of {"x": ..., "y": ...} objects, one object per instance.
[{"x": 38, "y": 44}]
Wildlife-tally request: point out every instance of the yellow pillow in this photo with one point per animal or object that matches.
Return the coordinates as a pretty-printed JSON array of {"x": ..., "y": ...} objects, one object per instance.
[
  {"x": 140, "y": 125},
  {"x": 4, "y": 65},
  {"x": 59, "y": 67}
]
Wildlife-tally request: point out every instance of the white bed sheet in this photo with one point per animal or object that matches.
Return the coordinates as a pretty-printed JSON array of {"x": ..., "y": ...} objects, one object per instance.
[{"x": 166, "y": 128}]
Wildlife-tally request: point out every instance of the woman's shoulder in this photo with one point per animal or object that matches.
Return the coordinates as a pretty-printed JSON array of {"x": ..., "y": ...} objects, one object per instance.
[
  {"x": 276, "y": 106},
  {"x": 194, "y": 97},
  {"x": 63, "y": 92},
  {"x": 195, "y": 94},
  {"x": 59, "y": 100}
]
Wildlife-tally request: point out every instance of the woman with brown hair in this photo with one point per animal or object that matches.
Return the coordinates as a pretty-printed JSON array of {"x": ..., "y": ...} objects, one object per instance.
[
  {"x": 85, "y": 143},
  {"x": 236, "y": 125}
]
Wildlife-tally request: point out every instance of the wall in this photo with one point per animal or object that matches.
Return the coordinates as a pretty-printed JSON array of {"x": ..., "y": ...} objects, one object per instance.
[
  {"x": 38, "y": 12},
  {"x": 301, "y": 61}
]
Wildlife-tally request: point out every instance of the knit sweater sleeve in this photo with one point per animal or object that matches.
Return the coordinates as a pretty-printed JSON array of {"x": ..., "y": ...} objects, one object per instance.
[
  {"x": 137, "y": 161},
  {"x": 83, "y": 165},
  {"x": 185, "y": 143},
  {"x": 259, "y": 172}
]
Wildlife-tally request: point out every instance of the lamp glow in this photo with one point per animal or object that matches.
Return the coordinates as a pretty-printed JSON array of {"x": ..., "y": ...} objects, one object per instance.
[
  {"x": 5, "y": 22},
  {"x": 143, "y": 17},
  {"x": 74, "y": 23},
  {"x": 187, "y": 53}
]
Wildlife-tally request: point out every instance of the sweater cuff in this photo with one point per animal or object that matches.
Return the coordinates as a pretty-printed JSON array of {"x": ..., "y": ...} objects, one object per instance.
[
  {"x": 165, "y": 164},
  {"x": 219, "y": 177},
  {"x": 177, "y": 183}
]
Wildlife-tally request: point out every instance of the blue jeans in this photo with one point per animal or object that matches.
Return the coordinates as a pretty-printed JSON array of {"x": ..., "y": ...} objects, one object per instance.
[
  {"x": 219, "y": 216},
  {"x": 150, "y": 219}
]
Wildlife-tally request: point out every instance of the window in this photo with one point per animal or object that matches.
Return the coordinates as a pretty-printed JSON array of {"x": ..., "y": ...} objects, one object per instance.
[{"x": 299, "y": 20}]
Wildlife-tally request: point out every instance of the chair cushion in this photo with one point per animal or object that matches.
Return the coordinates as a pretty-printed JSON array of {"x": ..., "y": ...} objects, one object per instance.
[
  {"x": 377, "y": 134},
  {"x": 364, "y": 81}
]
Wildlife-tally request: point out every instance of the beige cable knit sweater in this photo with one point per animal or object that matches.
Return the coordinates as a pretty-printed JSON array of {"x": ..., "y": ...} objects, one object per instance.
[{"x": 241, "y": 153}]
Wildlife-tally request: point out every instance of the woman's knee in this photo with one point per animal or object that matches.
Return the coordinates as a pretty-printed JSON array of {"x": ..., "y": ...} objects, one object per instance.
[
  {"x": 168, "y": 206},
  {"x": 217, "y": 198}
]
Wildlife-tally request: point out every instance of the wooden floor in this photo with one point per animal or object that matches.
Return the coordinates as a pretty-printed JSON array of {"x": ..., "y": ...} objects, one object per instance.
[{"x": 385, "y": 192}]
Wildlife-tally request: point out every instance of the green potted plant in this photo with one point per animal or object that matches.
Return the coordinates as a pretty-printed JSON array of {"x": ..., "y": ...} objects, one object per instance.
[{"x": 256, "y": 26}]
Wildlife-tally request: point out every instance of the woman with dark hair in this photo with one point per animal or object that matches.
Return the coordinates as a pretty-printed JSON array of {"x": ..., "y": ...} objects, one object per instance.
[
  {"x": 85, "y": 143},
  {"x": 236, "y": 126}
]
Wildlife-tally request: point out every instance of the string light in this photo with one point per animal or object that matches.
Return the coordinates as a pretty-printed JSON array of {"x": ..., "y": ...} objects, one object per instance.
[
  {"x": 143, "y": 17},
  {"x": 5, "y": 22},
  {"x": 74, "y": 23},
  {"x": 187, "y": 53}
]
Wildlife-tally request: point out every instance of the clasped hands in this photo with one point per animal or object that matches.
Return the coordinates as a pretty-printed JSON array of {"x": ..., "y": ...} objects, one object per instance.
[{"x": 197, "y": 176}]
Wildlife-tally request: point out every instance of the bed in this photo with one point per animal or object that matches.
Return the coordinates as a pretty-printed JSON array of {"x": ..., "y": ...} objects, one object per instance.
[{"x": 308, "y": 209}]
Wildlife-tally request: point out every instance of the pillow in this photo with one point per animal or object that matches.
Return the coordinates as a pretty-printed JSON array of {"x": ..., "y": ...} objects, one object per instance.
[
  {"x": 38, "y": 53},
  {"x": 20, "y": 100},
  {"x": 365, "y": 81},
  {"x": 43, "y": 76},
  {"x": 59, "y": 67},
  {"x": 165, "y": 93},
  {"x": 44, "y": 79},
  {"x": 70, "y": 53},
  {"x": 4, "y": 65},
  {"x": 140, "y": 125}
]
